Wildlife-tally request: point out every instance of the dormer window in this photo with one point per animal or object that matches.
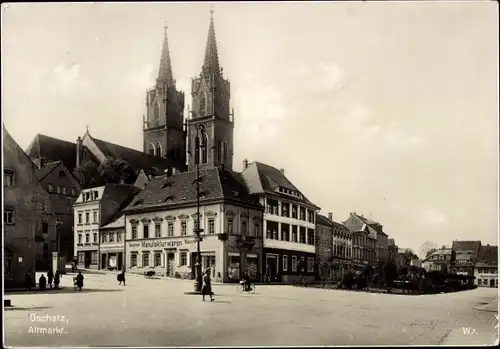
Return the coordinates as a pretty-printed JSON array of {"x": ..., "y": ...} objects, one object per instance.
[
  {"x": 96, "y": 195},
  {"x": 61, "y": 174},
  {"x": 169, "y": 198},
  {"x": 138, "y": 202},
  {"x": 166, "y": 185}
]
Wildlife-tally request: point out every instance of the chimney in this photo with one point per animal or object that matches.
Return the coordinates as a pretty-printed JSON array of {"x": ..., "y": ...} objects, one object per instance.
[
  {"x": 330, "y": 216},
  {"x": 282, "y": 170},
  {"x": 79, "y": 151},
  {"x": 245, "y": 164}
]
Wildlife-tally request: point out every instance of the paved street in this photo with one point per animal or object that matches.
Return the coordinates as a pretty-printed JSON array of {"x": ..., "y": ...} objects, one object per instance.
[{"x": 157, "y": 313}]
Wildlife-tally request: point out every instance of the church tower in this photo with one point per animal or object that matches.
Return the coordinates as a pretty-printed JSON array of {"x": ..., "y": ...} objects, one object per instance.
[
  {"x": 163, "y": 124},
  {"x": 210, "y": 103}
]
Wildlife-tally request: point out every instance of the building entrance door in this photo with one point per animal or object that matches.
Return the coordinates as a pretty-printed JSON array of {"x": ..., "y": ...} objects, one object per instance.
[
  {"x": 170, "y": 264},
  {"x": 88, "y": 258},
  {"x": 492, "y": 282},
  {"x": 272, "y": 266}
]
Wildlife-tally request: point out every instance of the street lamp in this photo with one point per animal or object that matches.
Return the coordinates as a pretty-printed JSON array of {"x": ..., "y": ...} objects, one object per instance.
[
  {"x": 199, "y": 144},
  {"x": 58, "y": 226}
]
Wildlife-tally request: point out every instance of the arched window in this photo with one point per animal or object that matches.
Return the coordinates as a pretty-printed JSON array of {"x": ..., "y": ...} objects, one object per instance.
[
  {"x": 203, "y": 104},
  {"x": 158, "y": 149},
  {"x": 151, "y": 149},
  {"x": 156, "y": 115},
  {"x": 203, "y": 150}
]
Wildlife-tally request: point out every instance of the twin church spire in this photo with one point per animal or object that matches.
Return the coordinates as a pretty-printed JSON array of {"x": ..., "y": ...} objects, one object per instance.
[
  {"x": 210, "y": 65},
  {"x": 166, "y": 131}
]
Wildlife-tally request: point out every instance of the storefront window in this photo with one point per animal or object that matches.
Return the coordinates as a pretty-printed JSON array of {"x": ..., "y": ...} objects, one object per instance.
[
  {"x": 133, "y": 260},
  {"x": 93, "y": 256},
  {"x": 145, "y": 259},
  {"x": 81, "y": 257},
  {"x": 157, "y": 259},
  {"x": 310, "y": 265},
  {"x": 183, "y": 258},
  {"x": 294, "y": 263},
  {"x": 234, "y": 267},
  {"x": 285, "y": 262}
]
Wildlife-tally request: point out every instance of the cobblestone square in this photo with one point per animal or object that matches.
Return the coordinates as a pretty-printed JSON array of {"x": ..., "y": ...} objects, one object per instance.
[{"x": 157, "y": 313}]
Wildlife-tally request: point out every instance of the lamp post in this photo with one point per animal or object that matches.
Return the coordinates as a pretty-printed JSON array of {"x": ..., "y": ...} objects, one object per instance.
[
  {"x": 199, "y": 144},
  {"x": 58, "y": 226}
]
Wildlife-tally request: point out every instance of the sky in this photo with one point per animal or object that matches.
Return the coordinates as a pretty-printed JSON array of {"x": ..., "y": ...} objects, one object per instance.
[{"x": 387, "y": 109}]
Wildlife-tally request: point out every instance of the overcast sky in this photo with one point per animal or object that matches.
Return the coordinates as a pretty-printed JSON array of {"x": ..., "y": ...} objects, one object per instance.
[{"x": 386, "y": 109}]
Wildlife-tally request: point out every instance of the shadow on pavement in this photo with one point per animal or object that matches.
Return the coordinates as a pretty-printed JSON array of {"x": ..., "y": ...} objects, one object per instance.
[
  {"x": 28, "y": 308},
  {"x": 61, "y": 290},
  {"x": 225, "y": 302}
]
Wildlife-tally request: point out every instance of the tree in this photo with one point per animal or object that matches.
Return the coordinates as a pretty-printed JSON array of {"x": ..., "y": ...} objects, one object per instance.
[
  {"x": 116, "y": 171},
  {"x": 111, "y": 170},
  {"x": 89, "y": 174}
]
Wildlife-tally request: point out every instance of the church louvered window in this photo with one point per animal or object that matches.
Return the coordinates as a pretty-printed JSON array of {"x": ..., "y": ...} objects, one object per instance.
[
  {"x": 156, "y": 115},
  {"x": 203, "y": 150},
  {"x": 203, "y": 104},
  {"x": 151, "y": 149},
  {"x": 158, "y": 149}
]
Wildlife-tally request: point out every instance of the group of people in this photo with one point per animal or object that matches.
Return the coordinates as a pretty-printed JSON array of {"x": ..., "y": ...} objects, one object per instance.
[{"x": 52, "y": 278}]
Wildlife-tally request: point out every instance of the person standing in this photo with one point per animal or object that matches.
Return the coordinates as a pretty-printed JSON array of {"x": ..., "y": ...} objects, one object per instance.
[
  {"x": 50, "y": 277},
  {"x": 121, "y": 278},
  {"x": 57, "y": 279},
  {"x": 42, "y": 283},
  {"x": 27, "y": 281},
  {"x": 207, "y": 286},
  {"x": 79, "y": 281}
]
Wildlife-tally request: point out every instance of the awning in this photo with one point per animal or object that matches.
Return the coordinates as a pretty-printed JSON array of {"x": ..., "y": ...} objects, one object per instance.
[{"x": 209, "y": 253}]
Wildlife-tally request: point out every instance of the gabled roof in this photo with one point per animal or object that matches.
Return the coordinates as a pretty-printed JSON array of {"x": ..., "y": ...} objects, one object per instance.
[
  {"x": 466, "y": 246},
  {"x": 121, "y": 194},
  {"x": 136, "y": 159},
  {"x": 117, "y": 223},
  {"x": 54, "y": 149},
  {"x": 488, "y": 255},
  {"x": 179, "y": 189},
  {"x": 373, "y": 227},
  {"x": 265, "y": 179},
  {"x": 41, "y": 173},
  {"x": 323, "y": 220}
]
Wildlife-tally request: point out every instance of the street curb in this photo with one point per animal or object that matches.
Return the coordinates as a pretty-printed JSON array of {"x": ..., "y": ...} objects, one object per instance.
[{"x": 490, "y": 307}]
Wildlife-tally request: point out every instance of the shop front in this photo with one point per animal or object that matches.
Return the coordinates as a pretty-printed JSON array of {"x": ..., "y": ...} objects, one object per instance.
[
  {"x": 176, "y": 257},
  {"x": 88, "y": 259},
  {"x": 112, "y": 260}
]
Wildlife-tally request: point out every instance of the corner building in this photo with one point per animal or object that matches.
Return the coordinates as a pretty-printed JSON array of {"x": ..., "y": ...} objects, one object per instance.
[
  {"x": 289, "y": 223},
  {"x": 160, "y": 222}
]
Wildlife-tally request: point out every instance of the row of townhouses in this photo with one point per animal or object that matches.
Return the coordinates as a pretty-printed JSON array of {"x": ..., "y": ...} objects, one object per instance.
[{"x": 469, "y": 258}]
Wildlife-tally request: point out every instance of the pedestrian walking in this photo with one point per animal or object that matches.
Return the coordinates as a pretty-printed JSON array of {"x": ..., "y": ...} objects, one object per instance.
[
  {"x": 50, "y": 277},
  {"x": 79, "y": 281},
  {"x": 27, "y": 281},
  {"x": 207, "y": 286},
  {"x": 121, "y": 278},
  {"x": 42, "y": 283},
  {"x": 57, "y": 279}
]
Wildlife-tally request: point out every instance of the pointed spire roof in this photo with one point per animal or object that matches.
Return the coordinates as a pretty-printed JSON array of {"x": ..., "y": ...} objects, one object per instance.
[
  {"x": 165, "y": 70},
  {"x": 211, "y": 61}
]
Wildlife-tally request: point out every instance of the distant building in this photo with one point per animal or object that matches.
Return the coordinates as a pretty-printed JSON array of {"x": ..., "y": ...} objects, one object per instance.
[
  {"x": 363, "y": 249},
  {"x": 357, "y": 222},
  {"x": 466, "y": 253},
  {"x": 415, "y": 262},
  {"x": 289, "y": 222},
  {"x": 160, "y": 225},
  {"x": 334, "y": 245},
  {"x": 442, "y": 260},
  {"x": 25, "y": 202},
  {"x": 63, "y": 189},
  {"x": 486, "y": 270},
  {"x": 95, "y": 208}
]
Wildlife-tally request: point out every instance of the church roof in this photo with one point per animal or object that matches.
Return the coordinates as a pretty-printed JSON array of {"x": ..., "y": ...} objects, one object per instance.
[
  {"x": 54, "y": 149},
  {"x": 265, "y": 179},
  {"x": 180, "y": 189},
  {"x": 136, "y": 159}
]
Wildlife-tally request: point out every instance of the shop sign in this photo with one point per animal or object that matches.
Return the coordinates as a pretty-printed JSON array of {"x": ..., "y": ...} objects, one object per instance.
[{"x": 161, "y": 243}]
